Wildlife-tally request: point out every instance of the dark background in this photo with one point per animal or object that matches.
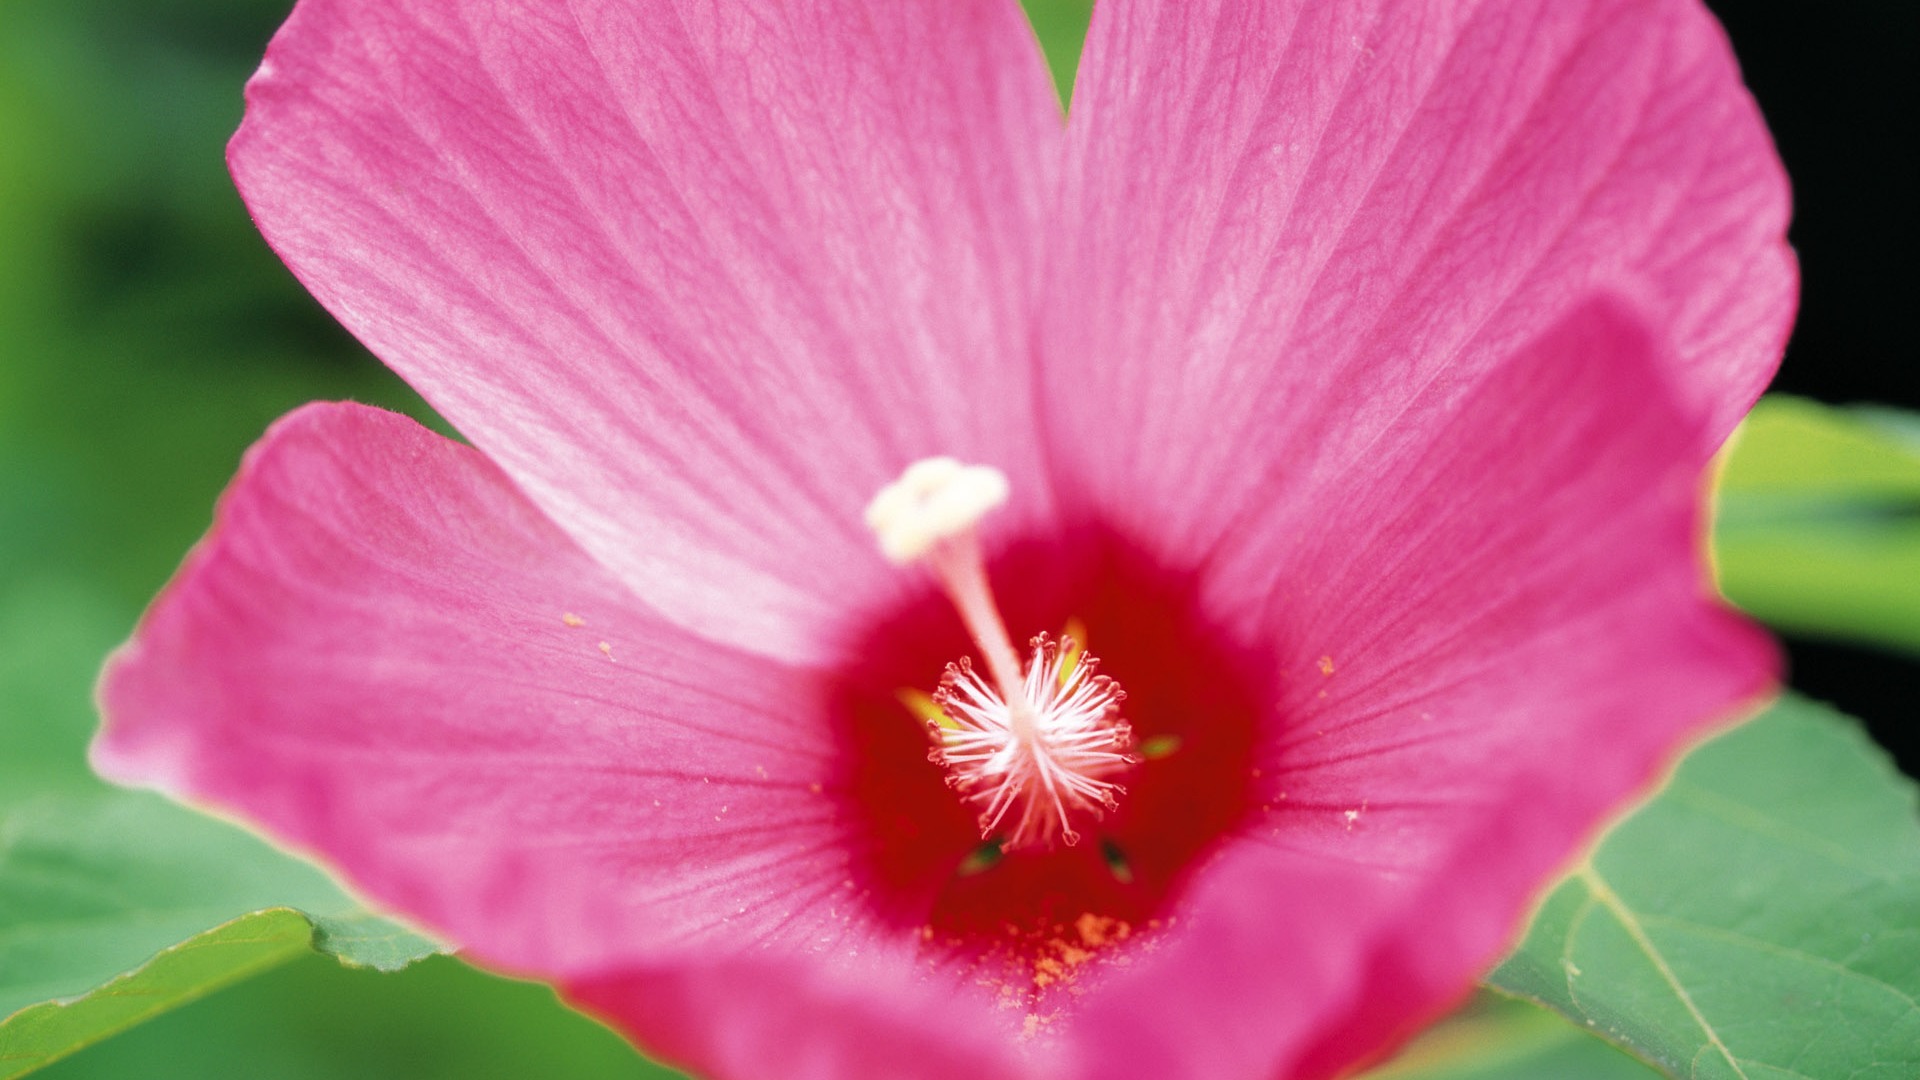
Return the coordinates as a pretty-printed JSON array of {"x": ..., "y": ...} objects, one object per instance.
[{"x": 1837, "y": 81}]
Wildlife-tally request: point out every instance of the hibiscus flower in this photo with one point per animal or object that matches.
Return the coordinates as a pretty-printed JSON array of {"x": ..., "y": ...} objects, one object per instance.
[{"x": 1341, "y": 375}]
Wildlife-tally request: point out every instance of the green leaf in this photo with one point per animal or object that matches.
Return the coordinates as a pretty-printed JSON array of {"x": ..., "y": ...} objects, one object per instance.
[
  {"x": 1817, "y": 527},
  {"x": 1061, "y": 27},
  {"x": 1502, "y": 1039},
  {"x": 362, "y": 939},
  {"x": 93, "y": 884},
  {"x": 41, "y": 1034},
  {"x": 316, "y": 1020},
  {"x": 1754, "y": 919}
]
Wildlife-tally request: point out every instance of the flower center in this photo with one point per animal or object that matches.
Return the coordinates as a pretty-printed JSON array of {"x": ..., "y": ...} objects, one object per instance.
[{"x": 1032, "y": 749}]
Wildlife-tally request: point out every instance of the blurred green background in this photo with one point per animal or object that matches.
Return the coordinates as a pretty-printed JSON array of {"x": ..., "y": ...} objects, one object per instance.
[{"x": 147, "y": 336}]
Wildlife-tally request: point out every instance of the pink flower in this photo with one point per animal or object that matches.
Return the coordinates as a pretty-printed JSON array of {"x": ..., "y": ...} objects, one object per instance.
[{"x": 1351, "y": 366}]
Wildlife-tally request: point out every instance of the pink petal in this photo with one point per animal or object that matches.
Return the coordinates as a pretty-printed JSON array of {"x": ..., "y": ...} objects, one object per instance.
[
  {"x": 1485, "y": 642},
  {"x": 858, "y": 1019},
  {"x": 1284, "y": 219},
  {"x": 700, "y": 277},
  {"x": 1322, "y": 331},
  {"x": 385, "y": 654}
]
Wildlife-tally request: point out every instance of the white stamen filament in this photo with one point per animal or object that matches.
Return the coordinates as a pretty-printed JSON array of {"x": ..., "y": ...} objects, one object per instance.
[{"x": 1034, "y": 749}]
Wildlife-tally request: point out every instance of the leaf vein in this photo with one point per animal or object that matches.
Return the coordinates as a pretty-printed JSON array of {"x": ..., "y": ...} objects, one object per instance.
[{"x": 1630, "y": 922}]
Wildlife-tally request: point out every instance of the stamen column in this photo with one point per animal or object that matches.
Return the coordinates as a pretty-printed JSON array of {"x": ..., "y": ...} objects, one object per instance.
[{"x": 1038, "y": 747}]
